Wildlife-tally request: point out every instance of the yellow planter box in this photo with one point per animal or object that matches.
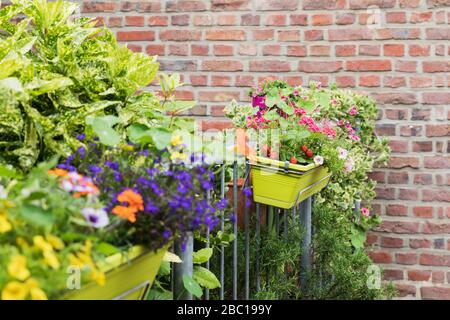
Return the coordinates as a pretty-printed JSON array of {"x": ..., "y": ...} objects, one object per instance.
[
  {"x": 128, "y": 276},
  {"x": 285, "y": 185}
]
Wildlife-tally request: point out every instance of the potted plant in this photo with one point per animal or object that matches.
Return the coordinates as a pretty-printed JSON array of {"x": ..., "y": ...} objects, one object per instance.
[{"x": 291, "y": 140}]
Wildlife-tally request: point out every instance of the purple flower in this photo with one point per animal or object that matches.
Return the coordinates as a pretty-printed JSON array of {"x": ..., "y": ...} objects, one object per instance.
[
  {"x": 113, "y": 165},
  {"x": 232, "y": 218},
  {"x": 117, "y": 176},
  {"x": 82, "y": 152},
  {"x": 81, "y": 137},
  {"x": 95, "y": 170},
  {"x": 150, "y": 207},
  {"x": 222, "y": 204},
  {"x": 167, "y": 234},
  {"x": 247, "y": 192}
]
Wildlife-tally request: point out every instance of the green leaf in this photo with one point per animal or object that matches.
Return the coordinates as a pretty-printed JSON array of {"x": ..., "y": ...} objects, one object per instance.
[
  {"x": 202, "y": 255},
  {"x": 272, "y": 100},
  {"x": 171, "y": 257},
  {"x": 102, "y": 129},
  {"x": 161, "y": 137},
  {"x": 192, "y": 286},
  {"x": 323, "y": 99},
  {"x": 8, "y": 172},
  {"x": 37, "y": 215},
  {"x": 205, "y": 278},
  {"x": 164, "y": 269},
  {"x": 106, "y": 248},
  {"x": 139, "y": 133},
  {"x": 179, "y": 106},
  {"x": 357, "y": 238}
]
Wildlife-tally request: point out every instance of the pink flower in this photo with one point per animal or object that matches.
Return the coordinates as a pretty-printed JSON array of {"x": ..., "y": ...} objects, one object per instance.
[
  {"x": 299, "y": 111},
  {"x": 353, "y": 111},
  {"x": 348, "y": 166},
  {"x": 318, "y": 160},
  {"x": 283, "y": 98},
  {"x": 296, "y": 93},
  {"x": 310, "y": 123},
  {"x": 340, "y": 123},
  {"x": 365, "y": 212},
  {"x": 342, "y": 153},
  {"x": 333, "y": 102},
  {"x": 354, "y": 137}
]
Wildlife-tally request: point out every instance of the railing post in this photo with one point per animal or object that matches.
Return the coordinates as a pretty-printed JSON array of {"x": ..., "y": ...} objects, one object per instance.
[
  {"x": 184, "y": 268},
  {"x": 305, "y": 218}
]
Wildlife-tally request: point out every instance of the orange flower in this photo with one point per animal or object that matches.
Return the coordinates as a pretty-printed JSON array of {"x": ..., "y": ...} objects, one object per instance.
[
  {"x": 59, "y": 172},
  {"x": 132, "y": 198},
  {"x": 125, "y": 212},
  {"x": 134, "y": 203}
]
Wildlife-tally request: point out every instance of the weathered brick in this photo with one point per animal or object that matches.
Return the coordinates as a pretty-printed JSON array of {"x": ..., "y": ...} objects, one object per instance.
[
  {"x": 435, "y": 293},
  {"x": 270, "y": 66},
  {"x": 226, "y": 35},
  {"x": 319, "y": 66},
  {"x": 136, "y": 35},
  {"x": 274, "y": 5},
  {"x": 230, "y": 5},
  {"x": 180, "y": 35},
  {"x": 369, "y": 65},
  {"x": 222, "y": 65}
]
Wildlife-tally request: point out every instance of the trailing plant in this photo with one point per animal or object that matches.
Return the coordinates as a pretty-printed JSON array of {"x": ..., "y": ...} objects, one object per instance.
[{"x": 56, "y": 72}]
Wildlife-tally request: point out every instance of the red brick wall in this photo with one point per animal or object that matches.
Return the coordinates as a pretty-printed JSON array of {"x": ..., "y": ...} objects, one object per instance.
[{"x": 398, "y": 51}]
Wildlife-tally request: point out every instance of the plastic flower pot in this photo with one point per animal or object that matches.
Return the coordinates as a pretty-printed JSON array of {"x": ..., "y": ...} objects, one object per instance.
[
  {"x": 129, "y": 276},
  {"x": 283, "y": 184}
]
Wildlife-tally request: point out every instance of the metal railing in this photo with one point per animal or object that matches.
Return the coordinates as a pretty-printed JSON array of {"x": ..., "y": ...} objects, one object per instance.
[{"x": 298, "y": 214}]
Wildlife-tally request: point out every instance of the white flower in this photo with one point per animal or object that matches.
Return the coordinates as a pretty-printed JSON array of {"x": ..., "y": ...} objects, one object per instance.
[
  {"x": 98, "y": 218},
  {"x": 318, "y": 160},
  {"x": 343, "y": 154},
  {"x": 3, "y": 194},
  {"x": 348, "y": 166}
]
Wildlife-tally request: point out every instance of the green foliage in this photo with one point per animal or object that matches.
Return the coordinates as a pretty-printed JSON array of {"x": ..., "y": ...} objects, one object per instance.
[{"x": 56, "y": 71}]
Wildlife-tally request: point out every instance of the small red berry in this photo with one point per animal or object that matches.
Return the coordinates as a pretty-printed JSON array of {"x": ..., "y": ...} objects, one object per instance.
[
  {"x": 309, "y": 153},
  {"x": 293, "y": 160},
  {"x": 304, "y": 148}
]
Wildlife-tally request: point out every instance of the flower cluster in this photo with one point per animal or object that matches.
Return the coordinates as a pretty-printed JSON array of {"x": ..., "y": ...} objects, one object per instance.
[{"x": 155, "y": 190}]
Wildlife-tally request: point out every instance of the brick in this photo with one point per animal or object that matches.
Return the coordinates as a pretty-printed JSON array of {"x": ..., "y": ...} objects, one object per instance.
[
  {"x": 398, "y": 178},
  {"x": 406, "y": 66},
  {"x": 438, "y": 3},
  {"x": 437, "y": 130},
  {"x": 378, "y": 176},
  {"x": 270, "y": 66},
  {"x": 419, "y": 275},
  {"x": 271, "y": 50},
  {"x": 226, "y": 35},
  {"x": 350, "y": 34},
  {"x": 267, "y": 34},
  {"x": 369, "y": 81},
  {"x": 345, "y": 81},
  {"x": 438, "y": 34},
  {"x": 394, "y": 82},
  {"x": 419, "y": 17},
  {"x": 319, "y": 50},
  {"x": 423, "y": 178},
  {"x": 406, "y": 258},
  {"x": 222, "y": 65},
  {"x": 437, "y": 162},
  {"x": 385, "y": 129},
  {"x": 185, "y": 6},
  {"x": 203, "y": 20},
  {"x": 115, "y": 22},
  {"x": 276, "y": 20},
  {"x": 397, "y": 114},
  {"x": 429, "y": 259},
  {"x": 411, "y": 130},
  {"x": 149, "y": 6},
  {"x": 396, "y": 210},
  {"x": 385, "y": 193},
  {"x": 217, "y": 111},
  {"x": 323, "y": 4},
  {"x": 323, "y": 19},
  {"x": 436, "y": 228},
  {"x": 247, "y": 49},
  {"x": 403, "y": 162},
  {"x": 134, "y": 21},
  {"x": 90, "y": 7},
  {"x": 223, "y": 50},
  {"x": 221, "y": 81},
  {"x": 345, "y": 18},
  {"x": 184, "y": 65},
  {"x": 364, "y": 4},
  {"x": 230, "y": 5},
  {"x": 395, "y": 98},
  {"x": 180, "y": 35},
  {"x": 345, "y": 50},
  {"x": 216, "y": 125},
  {"x": 180, "y": 20},
  {"x": 369, "y": 65},
  {"x": 419, "y": 243},
  {"x": 394, "y": 50},
  {"x": 408, "y": 194},
  {"x": 155, "y": 49},
  {"x": 380, "y": 256},
  {"x": 436, "y": 97},
  {"x": 421, "y": 82},
  {"x": 245, "y": 81},
  {"x": 422, "y": 146},
  {"x": 369, "y": 50},
  {"x": 218, "y": 96},
  {"x": 389, "y": 242},
  {"x": 158, "y": 21},
  {"x": 399, "y": 227},
  {"x": 396, "y": 17},
  {"x": 250, "y": 20},
  {"x": 136, "y": 35},
  {"x": 417, "y": 50},
  {"x": 199, "y": 50},
  {"x": 319, "y": 66},
  {"x": 405, "y": 290},
  {"x": 392, "y": 274},
  {"x": 178, "y": 49},
  {"x": 199, "y": 80},
  {"x": 313, "y": 35},
  {"x": 298, "y": 19},
  {"x": 436, "y": 195},
  {"x": 409, "y": 3},
  {"x": 397, "y": 34},
  {"x": 276, "y": 5},
  {"x": 436, "y": 66},
  {"x": 296, "y": 51},
  {"x": 289, "y": 35}
]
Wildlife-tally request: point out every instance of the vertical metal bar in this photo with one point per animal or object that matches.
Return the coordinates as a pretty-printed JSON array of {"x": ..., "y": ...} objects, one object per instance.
[
  {"x": 184, "y": 268},
  {"x": 269, "y": 226},
  {"x": 285, "y": 221},
  {"x": 247, "y": 243},
  {"x": 222, "y": 226},
  {"x": 208, "y": 197},
  {"x": 357, "y": 205},
  {"x": 294, "y": 214},
  {"x": 258, "y": 231},
  {"x": 305, "y": 218},
  {"x": 235, "y": 228}
]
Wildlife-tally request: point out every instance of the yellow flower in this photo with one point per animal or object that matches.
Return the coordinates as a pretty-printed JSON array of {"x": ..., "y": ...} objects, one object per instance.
[
  {"x": 14, "y": 290},
  {"x": 21, "y": 242},
  {"x": 35, "y": 292},
  {"x": 51, "y": 259},
  {"x": 41, "y": 244},
  {"x": 5, "y": 226},
  {"x": 87, "y": 247},
  {"x": 178, "y": 156},
  {"x": 176, "y": 141},
  {"x": 17, "y": 268},
  {"x": 98, "y": 277},
  {"x": 55, "y": 242}
]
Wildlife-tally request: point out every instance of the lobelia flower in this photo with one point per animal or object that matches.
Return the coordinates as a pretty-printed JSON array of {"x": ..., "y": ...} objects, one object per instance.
[
  {"x": 318, "y": 160},
  {"x": 365, "y": 212},
  {"x": 343, "y": 154},
  {"x": 97, "y": 218}
]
